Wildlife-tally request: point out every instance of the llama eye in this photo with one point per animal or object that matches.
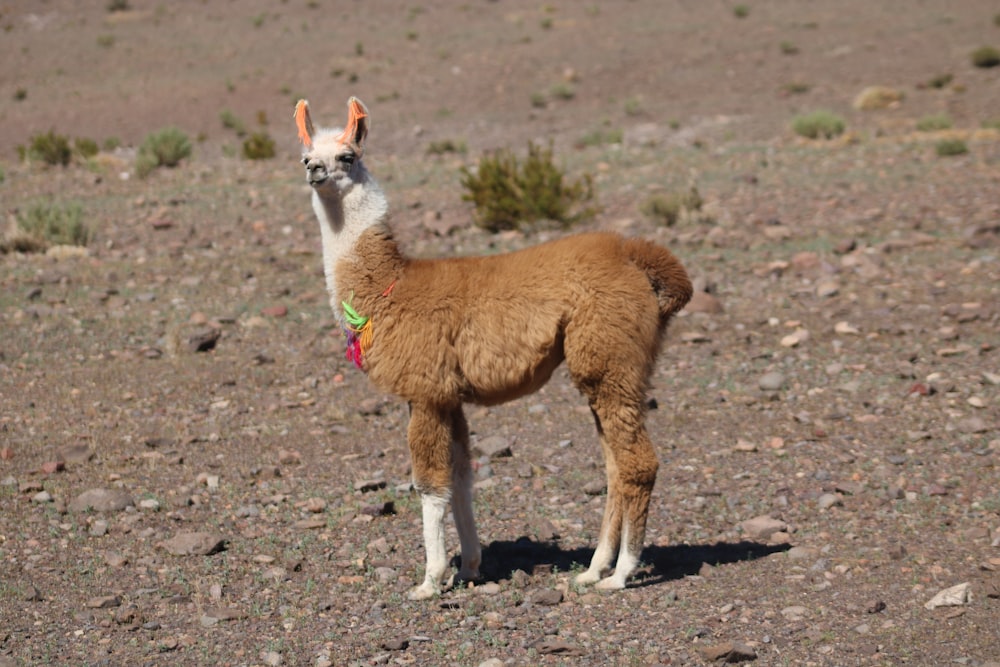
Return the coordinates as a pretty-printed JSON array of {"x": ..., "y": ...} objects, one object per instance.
[
  {"x": 346, "y": 158},
  {"x": 305, "y": 160}
]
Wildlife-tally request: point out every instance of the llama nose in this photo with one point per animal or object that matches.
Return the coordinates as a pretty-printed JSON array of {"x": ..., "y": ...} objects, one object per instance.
[{"x": 316, "y": 172}]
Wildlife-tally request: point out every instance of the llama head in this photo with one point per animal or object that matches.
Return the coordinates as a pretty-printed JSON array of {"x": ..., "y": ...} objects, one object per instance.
[{"x": 333, "y": 157}]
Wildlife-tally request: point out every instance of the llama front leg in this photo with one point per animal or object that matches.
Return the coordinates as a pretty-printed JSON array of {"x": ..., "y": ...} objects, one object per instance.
[
  {"x": 461, "y": 500},
  {"x": 429, "y": 437}
]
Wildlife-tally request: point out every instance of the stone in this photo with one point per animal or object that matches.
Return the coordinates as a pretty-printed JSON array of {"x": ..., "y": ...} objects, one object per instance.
[
  {"x": 554, "y": 646},
  {"x": 703, "y": 302},
  {"x": 194, "y": 544},
  {"x": 493, "y": 447},
  {"x": 729, "y": 652},
  {"x": 104, "y": 602},
  {"x": 874, "y": 98},
  {"x": 828, "y": 500},
  {"x": 202, "y": 340},
  {"x": 42, "y": 497},
  {"x": 548, "y": 597},
  {"x": 762, "y": 527},
  {"x": 214, "y": 615},
  {"x": 772, "y": 381},
  {"x": 955, "y": 596},
  {"x": 101, "y": 500}
]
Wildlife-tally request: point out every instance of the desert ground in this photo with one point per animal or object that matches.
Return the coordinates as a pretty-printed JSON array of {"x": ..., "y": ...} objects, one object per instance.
[{"x": 191, "y": 472}]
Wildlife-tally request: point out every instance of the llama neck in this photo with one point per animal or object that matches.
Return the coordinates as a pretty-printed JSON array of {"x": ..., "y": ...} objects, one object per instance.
[{"x": 342, "y": 221}]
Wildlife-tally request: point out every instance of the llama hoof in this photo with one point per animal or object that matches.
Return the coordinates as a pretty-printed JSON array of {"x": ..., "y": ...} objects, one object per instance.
[
  {"x": 587, "y": 578},
  {"x": 424, "y": 591},
  {"x": 610, "y": 584}
]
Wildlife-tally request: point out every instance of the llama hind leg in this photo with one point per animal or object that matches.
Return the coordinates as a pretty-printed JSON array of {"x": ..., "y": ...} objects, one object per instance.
[
  {"x": 429, "y": 434},
  {"x": 461, "y": 499},
  {"x": 631, "y": 463},
  {"x": 611, "y": 524}
]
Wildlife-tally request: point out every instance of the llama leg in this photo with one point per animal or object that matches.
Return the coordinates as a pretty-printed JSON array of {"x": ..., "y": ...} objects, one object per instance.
[
  {"x": 637, "y": 475},
  {"x": 611, "y": 524},
  {"x": 429, "y": 435},
  {"x": 461, "y": 500}
]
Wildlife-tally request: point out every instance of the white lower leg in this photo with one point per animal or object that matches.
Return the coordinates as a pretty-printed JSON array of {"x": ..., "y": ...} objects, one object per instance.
[
  {"x": 434, "y": 508},
  {"x": 628, "y": 559},
  {"x": 465, "y": 523},
  {"x": 603, "y": 554}
]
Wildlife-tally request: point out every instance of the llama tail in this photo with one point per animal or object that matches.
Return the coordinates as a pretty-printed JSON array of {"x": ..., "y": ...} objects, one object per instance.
[{"x": 666, "y": 275}]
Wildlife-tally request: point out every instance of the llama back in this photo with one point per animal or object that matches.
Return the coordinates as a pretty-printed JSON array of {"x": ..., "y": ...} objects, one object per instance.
[{"x": 666, "y": 275}]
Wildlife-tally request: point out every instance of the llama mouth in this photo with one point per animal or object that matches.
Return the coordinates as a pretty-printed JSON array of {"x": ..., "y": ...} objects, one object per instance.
[{"x": 318, "y": 180}]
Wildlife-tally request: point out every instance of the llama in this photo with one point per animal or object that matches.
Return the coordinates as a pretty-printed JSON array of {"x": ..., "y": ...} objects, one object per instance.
[{"x": 439, "y": 333}]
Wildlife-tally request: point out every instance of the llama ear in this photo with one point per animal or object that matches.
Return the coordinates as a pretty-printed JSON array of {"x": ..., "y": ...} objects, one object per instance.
[
  {"x": 304, "y": 123},
  {"x": 358, "y": 123}
]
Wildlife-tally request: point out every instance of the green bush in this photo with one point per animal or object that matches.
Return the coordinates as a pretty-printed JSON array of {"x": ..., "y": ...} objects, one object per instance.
[
  {"x": 85, "y": 148},
  {"x": 934, "y": 122},
  {"x": 741, "y": 11},
  {"x": 162, "y": 148},
  {"x": 666, "y": 209},
  {"x": 507, "y": 194},
  {"x": 231, "y": 121},
  {"x": 600, "y": 136},
  {"x": 258, "y": 146},
  {"x": 991, "y": 123},
  {"x": 446, "y": 146},
  {"x": 949, "y": 147},
  {"x": 50, "y": 148},
  {"x": 986, "y": 56},
  {"x": 939, "y": 81},
  {"x": 52, "y": 224},
  {"x": 819, "y": 125}
]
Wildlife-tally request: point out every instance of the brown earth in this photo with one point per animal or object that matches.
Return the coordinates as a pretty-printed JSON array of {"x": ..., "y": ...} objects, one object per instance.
[{"x": 873, "y": 437}]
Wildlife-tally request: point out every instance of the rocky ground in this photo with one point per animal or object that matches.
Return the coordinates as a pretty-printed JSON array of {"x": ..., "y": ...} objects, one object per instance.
[{"x": 191, "y": 472}]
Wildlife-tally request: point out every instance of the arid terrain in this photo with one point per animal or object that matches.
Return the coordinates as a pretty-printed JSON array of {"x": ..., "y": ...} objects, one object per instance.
[{"x": 191, "y": 472}]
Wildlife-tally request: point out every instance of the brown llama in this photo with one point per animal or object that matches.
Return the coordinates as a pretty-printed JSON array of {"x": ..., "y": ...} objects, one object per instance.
[{"x": 486, "y": 330}]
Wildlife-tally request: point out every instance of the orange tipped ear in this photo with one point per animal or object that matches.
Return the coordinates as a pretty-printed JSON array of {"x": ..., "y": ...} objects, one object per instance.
[
  {"x": 357, "y": 123},
  {"x": 304, "y": 123}
]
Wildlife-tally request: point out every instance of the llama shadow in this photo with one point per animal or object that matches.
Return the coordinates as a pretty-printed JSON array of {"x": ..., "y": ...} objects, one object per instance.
[{"x": 502, "y": 558}]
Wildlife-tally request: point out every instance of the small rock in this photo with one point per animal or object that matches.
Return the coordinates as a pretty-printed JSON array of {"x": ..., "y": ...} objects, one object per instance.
[
  {"x": 489, "y": 588},
  {"x": 553, "y": 646},
  {"x": 51, "y": 467},
  {"x": 744, "y": 446},
  {"x": 278, "y": 310},
  {"x": 596, "y": 487},
  {"x": 214, "y": 615},
  {"x": 203, "y": 340},
  {"x": 128, "y": 614},
  {"x": 795, "y": 338},
  {"x": 151, "y": 504},
  {"x": 396, "y": 644},
  {"x": 42, "y": 497},
  {"x": 795, "y": 612},
  {"x": 548, "y": 597},
  {"x": 762, "y": 527},
  {"x": 827, "y": 288},
  {"x": 78, "y": 453},
  {"x": 492, "y": 662},
  {"x": 772, "y": 381},
  {"x": 846, "y": 329},
  {"x": 828, "y": 500},
  {"x": 703, "y": 302},
  {"x": 802, "y": 553},
  {"x": 99, "y": 528},
  {"x": 951, "y": 597},
  {"x": 103, "y": 602},
  {"x": 101, "y": 500},
  {"x": 730, "y": 652},
  {"x": 32, "y": 594},
  {"x": 494, "y": 447},
  {"x": 271, "y": 658},
  {"x": 194, "y": 544}
]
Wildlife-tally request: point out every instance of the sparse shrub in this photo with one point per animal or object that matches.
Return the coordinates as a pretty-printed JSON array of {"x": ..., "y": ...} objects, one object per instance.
[
  {"x": 106, "y": 41},
  {"x": 117, "y": 5},
  {"x": 667, "y": 209},
  {"x": 950, "y": 147},
  {"x": 508, "y": 194},
  {"x": 633, "y": 106},
  {"x": 162, "y": 148},
  {"x": 934, "y": 122},
  {"x": 563, "y": 91},
  {"x": 52, "y": 224},
  {"x": 111, "y": 143},
  {"x": 538, "y": 100},
  {"x": 789, "y": 48},
  {"x": 50, "y": 148},
  {"x": 741, "y": 11},
  {"x": 20, "y": 94},
  {"x": 85, "y": 148},
  {"x": 986, "y": 56},
  {"x": 819, "y": 125},
  {"x": 445, "y": 146},
  {"x": 939, "y": 81},
  {"x": 258, "y": 146},
  {"x": 874, "y": 98},
  {"x": 795, "y": 88},
  {"x": 545, "y": 23},
  {"x": 600, "y": 136},
  {"x": 991, "y": 123},
  {"x": 231, "y": 121}
]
